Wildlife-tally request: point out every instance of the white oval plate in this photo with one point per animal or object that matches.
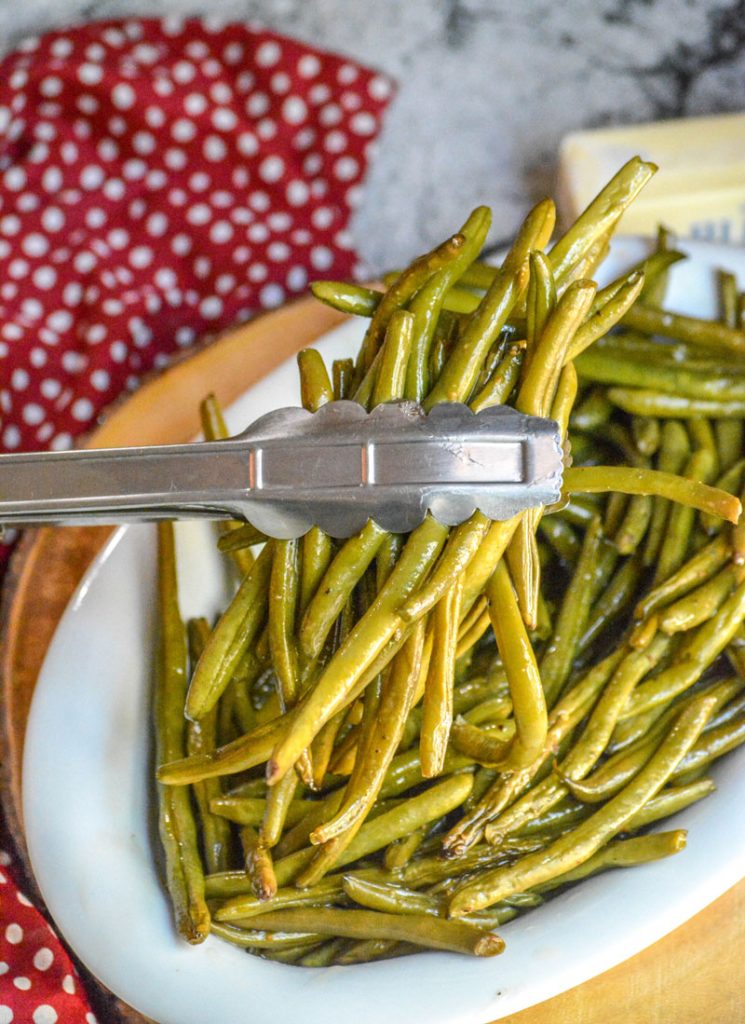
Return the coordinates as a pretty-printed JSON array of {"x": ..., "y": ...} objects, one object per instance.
[{"x": 89, "y": 818}]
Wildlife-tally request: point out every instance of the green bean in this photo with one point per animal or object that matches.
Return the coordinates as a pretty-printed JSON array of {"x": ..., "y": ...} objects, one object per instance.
[
  {"x": 461, "y": 370},
  {"x": 348, "y": 298},
  {"x": 201, "y": 739},
  {"x": 610, "y": 705},
  {"x": 402, "y": 290},
  {"x": 485, "y": 561},
  {"x": 391, "y": 376},
  {"x": 315, "y": 386},
  {"x": 699, "y": 605},
  {"x": 264, "y": 939},
  {"x": 452, "y": 936},
  {"x": 634, "y": 524},
  {"x": 462, "y": 545},
  {"x": 704, "y": 333},
  {"x": 643, "y": 633},
  {"x": 358, "y": 670},
  {"x": 682, "y": 520},
  {"x": 358, "y": 652},
  {"x": 673, "y": 454},
  {"x": 730, "y": 436},
  {"x": 731, "y": 480},
  {"x": 245, "y": 536},
  {"x": 242, "y": 753},
  {"x": 539, "y": 379},
  {"x": 541, "y": 297},
  {"x": 602, "y": 320},
  {"x": 624, "y": 853},
  {"x": 556, "y": 661},
  {"x": 628, "y": 480},
  {"x": 562, "y": 537},
  {"x": 368, "y": 950},
  {"x": 324, "y": 955},
  {"x": 469, "y": 638},
  {"x": 524, "y": 680},
  {"x": 249, "y": 810},
  {"x": 332, "y": 592},
  {"x": 619, "y": 769},
  {"x": 437, "y": 716},
  {"x": 485, "y": 747},
  {"x": 702, "y": 437},
  {"x": 697, "y": 570},
  {"x": 178, "y": 833},
  {"x": 255, "y": 788},
  {"x": 502, "y": 381},
  {"x": 342, "y": 373},
  {"x": 394, "y": 899},
  {"x": 580, "y": 844},
  {"x": 670, "y": 800},
  {"x": 386, "y": 557},
  {"x": 391, "y": 899},
  {"x": 564, "y": 399},
  {"x": 642, "y": 402},
  {"x": 593, "y": 411},
  {"x": 259, "y": 866},
  {"x": 479, "y": 276},
  {"x": 525, "y": 567},
  {"x": 230, "y": 638},
  {"x": 654, "y": 291},
  {"x": 400, "y": 851},
  {"x": 493, "y": 709},
  {"x": 278, "y": 802},
  {"x": 606, "y": 367},
  {"x": 317, "y": 550},
  {"x": 442, "y": 343},
  {"x": 438, "y": 292},
  {"x": 711, "y": 745},
  {"x": 600, "y": 216},
  {"x": 647, "y": 434},
  {"x": 283, "y": 593},
  {"x": 651, "y": 268},
  {"x": 707, "y": 643},
  {"x": 616, "y": 598}
]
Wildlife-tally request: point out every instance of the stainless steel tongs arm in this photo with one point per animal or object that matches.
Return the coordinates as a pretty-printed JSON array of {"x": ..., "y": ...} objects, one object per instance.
[
  {"x": 124, "y": 484},
  {"x": 335, "y": 469}
]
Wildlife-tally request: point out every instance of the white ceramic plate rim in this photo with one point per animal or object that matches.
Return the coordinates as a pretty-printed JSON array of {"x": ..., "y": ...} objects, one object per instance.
[{"x": 88, "y": 815}]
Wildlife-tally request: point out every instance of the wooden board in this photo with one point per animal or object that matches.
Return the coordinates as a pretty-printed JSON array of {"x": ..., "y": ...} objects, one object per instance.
[{"x": 693, "y": 975}]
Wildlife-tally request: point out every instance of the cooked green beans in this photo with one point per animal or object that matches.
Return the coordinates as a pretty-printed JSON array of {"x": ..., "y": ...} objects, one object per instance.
[
  {"x": 453, "y": 936},
  {"x": 463, "y": 720},
  {"x": 581, "y": 843},
  {"x": 178, "y": 834},
  {"x": 526, "y": 691},
  {"x": 599, "y": 479}
]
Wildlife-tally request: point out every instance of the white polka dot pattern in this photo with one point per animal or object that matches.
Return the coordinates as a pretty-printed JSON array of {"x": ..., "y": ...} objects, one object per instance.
[
  {"x": 37, "y": 979},
  {"x": 159, "y": 180},
  {"x": 187, "y": 176}
]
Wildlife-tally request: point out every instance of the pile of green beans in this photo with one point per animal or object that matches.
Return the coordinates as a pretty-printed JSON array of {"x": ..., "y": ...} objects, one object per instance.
[{"x": 393, "y": 743}]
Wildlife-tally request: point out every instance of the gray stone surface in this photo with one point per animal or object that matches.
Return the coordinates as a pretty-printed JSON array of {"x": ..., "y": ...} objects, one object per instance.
[{"x": 487, "y": 87}]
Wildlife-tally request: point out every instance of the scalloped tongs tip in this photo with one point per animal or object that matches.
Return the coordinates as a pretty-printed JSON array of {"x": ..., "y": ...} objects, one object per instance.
[{"x": 292, "y": 469}]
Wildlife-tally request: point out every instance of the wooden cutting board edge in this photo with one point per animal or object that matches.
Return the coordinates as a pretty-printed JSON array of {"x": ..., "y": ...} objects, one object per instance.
[{"x": 693, "y": 974}]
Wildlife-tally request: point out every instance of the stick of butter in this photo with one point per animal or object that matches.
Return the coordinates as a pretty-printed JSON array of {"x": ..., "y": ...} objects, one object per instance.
[{"x": 699, "y": 191}]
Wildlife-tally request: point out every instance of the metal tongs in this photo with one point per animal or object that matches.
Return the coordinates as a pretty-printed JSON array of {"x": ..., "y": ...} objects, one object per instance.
[{"x": 293, "y": 469}]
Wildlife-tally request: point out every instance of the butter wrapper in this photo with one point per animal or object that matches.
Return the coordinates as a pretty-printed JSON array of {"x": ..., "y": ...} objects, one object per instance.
[{"x": 698, "y": 192}]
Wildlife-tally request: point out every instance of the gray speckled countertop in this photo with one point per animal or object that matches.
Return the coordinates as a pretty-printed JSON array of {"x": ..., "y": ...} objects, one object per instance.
[{"x": 487, "y": 87}]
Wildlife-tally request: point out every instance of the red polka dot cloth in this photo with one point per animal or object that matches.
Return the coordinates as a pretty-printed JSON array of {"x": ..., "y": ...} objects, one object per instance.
[{"x": 159, "y": 180}]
